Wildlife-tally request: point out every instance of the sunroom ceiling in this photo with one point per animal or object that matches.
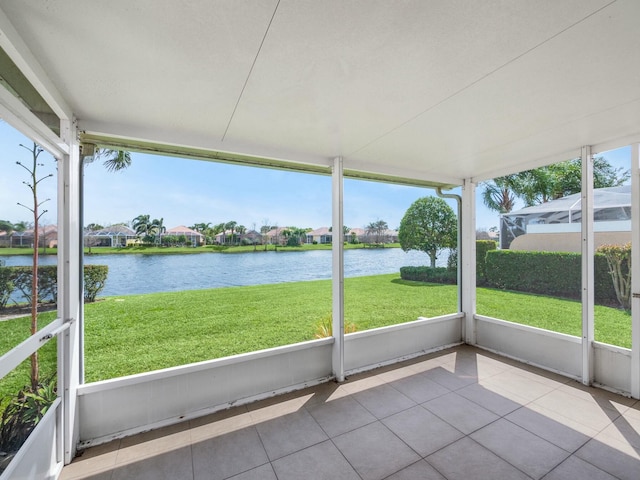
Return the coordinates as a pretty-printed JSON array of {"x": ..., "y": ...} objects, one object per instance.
[{"x": 437, "y": 90}]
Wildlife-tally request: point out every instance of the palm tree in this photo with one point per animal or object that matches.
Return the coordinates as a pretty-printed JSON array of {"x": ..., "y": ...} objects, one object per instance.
[
  {"x": 377, "y": 228},
  {"x": 230, "y": 226},
  {"x": 219, "y": 228},
  {"x": 498, "y": 195},
  {"x": 142, "y": 226},
  {"x": 158, "y": 229},
  {"x": 203, "y": 228},
  {"x": 115, "y": 160},
  {"x": 241, "y": 230}
]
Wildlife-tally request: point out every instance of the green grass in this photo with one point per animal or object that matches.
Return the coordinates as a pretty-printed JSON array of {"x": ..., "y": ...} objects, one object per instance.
[
  {"x": 137, "y": 333},
  {"x": 612, "y": 325}
]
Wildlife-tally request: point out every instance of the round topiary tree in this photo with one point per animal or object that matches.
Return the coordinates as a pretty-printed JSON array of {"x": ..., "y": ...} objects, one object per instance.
[{"x": 429, "y": 225}]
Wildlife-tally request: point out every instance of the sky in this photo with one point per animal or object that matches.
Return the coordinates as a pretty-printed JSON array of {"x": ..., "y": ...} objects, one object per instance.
[{"x": 185, "y": 192}]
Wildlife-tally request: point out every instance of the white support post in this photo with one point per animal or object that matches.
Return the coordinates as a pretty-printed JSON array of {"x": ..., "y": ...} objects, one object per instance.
[
  {"x": 635, "y": 266},
  {"x": 468, "y": 260},
  {"x": 588, "y": 252},
  {"x": 69, "y": 284},
  {"x": 338, "y": 269}
]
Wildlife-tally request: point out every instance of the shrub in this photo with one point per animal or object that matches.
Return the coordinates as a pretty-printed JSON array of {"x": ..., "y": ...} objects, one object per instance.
[
  {"x": 429, "y": 274},
  {"x": 324, "y": 327},
  {"x": 6, "y": 286},
  {"x": 19, "y": 278},
  {"x": 24, "y": 412},
  {"x": 482, "y": 247},
  {"x": 619, "y": 263},
  {"x": 556, "y": 274},
  {"x": 95, "y": 277},
  {"x": 47, "y": 282}
]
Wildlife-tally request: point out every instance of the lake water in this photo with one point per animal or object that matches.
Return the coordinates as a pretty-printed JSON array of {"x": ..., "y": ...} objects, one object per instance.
[{"x": 134, "y": 274}]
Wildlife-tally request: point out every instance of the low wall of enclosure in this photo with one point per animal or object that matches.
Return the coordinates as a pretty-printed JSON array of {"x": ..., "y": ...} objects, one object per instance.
[{"x": 16, "y": 282}]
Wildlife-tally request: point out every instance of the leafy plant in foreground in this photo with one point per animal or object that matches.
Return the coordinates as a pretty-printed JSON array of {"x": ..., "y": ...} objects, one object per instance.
[
  {"x": 324, "y": 327},
  {"x": 23, "y": 413}
]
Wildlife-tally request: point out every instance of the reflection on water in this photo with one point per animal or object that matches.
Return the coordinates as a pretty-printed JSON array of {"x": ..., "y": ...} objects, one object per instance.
[{"x": 134, "y": 273}]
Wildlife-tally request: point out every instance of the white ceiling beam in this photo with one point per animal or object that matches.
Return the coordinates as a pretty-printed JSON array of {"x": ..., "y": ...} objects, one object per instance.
[
  {"x": 15, "y": 47},
  {"x": 22, "y": 119}
]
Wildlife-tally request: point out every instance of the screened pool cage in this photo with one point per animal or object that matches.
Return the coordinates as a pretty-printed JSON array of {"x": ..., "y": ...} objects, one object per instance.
[{"x": 611, "y": 204}]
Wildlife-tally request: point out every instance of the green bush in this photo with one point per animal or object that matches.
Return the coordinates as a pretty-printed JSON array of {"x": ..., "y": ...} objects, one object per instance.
[
  {"x": 428, "y": 274},
  {"x": 557, "y": 274},
  {"x": 19, "y": 278},
  {"x": 482, "y": 247},
  {"x": 23, "y": 413},
  {"x": 47, "y": 282},
  {"x": 6, "y": 286},
  {"x": 95, "y": 277}
]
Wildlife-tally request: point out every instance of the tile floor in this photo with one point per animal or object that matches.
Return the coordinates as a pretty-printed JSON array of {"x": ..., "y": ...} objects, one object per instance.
[{"x": 458, "y": 414}]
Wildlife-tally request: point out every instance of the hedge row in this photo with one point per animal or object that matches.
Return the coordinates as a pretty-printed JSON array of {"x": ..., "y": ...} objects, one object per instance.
[
  {"x": 557, "y": 274},
  {"x": 550, "y": 273},
  {"x": 449, "y": 275},
  {"x": 428, "y": 274},
  {"x": 18, "y": 279}
]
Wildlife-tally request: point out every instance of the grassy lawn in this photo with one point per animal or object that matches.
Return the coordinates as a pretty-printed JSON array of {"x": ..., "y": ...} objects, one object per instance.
[{"x": 137, "y": 333}]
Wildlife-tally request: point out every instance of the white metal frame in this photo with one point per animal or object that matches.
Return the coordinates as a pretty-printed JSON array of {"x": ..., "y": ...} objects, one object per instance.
[
  {"x": 468, "y": 254},
  {"x": 635, "y": 263},
  {"x": 338, "y": 268},
  {"x": 587, "y": 266}
]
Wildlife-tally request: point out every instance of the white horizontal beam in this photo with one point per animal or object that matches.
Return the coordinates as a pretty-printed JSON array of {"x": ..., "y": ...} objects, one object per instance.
[{"x": 22, "y": 351}]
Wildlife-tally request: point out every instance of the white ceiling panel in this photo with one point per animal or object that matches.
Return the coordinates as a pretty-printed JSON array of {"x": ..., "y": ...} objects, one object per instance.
[{"x": 429, "y": 89}]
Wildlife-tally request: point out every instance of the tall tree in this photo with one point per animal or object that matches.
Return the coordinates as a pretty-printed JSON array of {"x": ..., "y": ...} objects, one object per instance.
[
  {"x": 142, "y": 226},
  {"x": 429, "y": 225},
  {"x": 114, "y": 160},
  {"x": 498, "y": 194},
  {"x": 6, "y": 226},
  {"x": 231, "y": 226},
  {"x": 377, "y": 230},
  {"x": 33, "y": 183},
  {"x": 157, "y": 229}
]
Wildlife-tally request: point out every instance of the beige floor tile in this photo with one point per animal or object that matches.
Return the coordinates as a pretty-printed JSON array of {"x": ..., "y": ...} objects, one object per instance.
[
  {"x": 219, "y": 423},
  {"x": 92, "y": 461},
  {"x": 290, "y": 433},
  {"x": 531, "y": 454},
  {"x": 560, "y": 433},
  {"x": 582, "y": 410},
  {"x": 574, "y": 468},
  {"x": 419, "y": 388},
  {"x": 466, "y": 459},
  {"x": 419, "y": 470},
  {"x": 383, "y": 401},
  {"x": 321, "y": 461},
  {"x": 492, "y": 401},
  {"x": 226, "y": 455},
  {"x": 264, "y": 472},
  {"x": 341, "y": 416},
  {"x": 423, "y": 431},
  {"x": 461, "y": 413},
  {"x": 172, "y": 465},
  {"x": 513, "y": 382},
  {"x": 625, "y": 429},
  {"x": 451, "y": 380},
  {"x": 375, "y": 452},
  {"x": 619, "y": 459},
  {"x": 153, "y": 443}
]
